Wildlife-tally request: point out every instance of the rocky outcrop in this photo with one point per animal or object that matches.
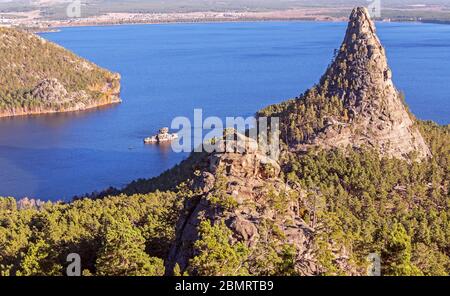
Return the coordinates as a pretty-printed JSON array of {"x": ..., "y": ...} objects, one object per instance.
[
  {"x": 51, "y": 91},
  {"x": 356, "y": 103},
  {"x": 265, "y": 210},
  {"x": 361, "y": 77},
  {"x": 53, "y": 97}
]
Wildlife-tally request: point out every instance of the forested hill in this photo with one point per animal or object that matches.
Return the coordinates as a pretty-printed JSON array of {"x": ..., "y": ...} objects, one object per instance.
[
  {"x": 37, "y": 76},
  {"x": 342, "y": 207},
  {"x": 316, "y": 211}
]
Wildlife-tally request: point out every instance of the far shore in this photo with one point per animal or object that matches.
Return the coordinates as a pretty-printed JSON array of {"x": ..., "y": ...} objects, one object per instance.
[
  {"x": 34, "y": 22},
  {"x": 58, "y": 28}
]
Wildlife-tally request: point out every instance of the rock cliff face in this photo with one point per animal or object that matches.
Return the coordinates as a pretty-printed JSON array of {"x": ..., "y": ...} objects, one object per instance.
[
  {"x": 38, "y": 77},
  {"x": 360, "y": 76},
  {"x": 264, "y": 212},
  {"x": 356, "y": 103}
]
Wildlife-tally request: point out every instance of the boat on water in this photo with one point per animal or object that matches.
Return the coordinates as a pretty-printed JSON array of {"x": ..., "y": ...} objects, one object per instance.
[{"x": 162, "y": 136}]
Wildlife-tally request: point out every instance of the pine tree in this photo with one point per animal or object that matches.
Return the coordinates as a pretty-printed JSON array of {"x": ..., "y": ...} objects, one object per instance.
[
  {"x": 216, "y": 254},
  {"x": 396, "y": 258},
  {"x": 123, "y": 251},
  {"x": 37, "y": 261}
]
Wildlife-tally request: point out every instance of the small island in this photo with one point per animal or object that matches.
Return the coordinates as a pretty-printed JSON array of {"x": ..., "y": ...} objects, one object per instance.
[{"x": 162, "y": 136}]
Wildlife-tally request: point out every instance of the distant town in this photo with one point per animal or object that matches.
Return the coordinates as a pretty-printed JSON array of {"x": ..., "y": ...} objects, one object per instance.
[{"x": 39, "y": 19}]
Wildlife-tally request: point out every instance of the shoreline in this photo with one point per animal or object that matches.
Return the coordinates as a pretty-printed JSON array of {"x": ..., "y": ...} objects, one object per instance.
[
  {"x": 21, "y": 113},
  {"x": 36, "y": 21},
  {"x": 57, "y": 28}
]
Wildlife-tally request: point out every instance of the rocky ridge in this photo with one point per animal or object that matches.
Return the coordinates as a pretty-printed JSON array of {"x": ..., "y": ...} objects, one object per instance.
[{"x": 246, "y": 191}]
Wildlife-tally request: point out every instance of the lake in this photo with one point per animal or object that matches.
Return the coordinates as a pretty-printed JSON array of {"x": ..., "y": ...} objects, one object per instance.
[{"x": 227, "y": 69}]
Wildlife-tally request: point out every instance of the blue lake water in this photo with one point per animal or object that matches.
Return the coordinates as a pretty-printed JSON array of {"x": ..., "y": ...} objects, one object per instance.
[{"x": 228, "y": 69}]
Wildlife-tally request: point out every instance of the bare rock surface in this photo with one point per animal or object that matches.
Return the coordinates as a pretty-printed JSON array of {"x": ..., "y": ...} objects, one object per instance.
[
  {"x": 265, "y": 211},
  {"x": 361, "y": 77},
  {"x": 50, "y": 90}
]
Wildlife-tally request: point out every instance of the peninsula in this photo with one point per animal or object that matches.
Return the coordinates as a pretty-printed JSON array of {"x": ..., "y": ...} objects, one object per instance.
[{"x": 39, "y": 77}]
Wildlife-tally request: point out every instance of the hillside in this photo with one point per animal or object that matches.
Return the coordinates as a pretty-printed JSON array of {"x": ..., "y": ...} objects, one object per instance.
[
  {"x": 38, "y": 77},
  {"x": 320, "y": 209}
]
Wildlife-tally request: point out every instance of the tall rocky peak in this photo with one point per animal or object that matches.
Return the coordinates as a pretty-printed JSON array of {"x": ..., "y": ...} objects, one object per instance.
[
  {"x": 361, "y": 78},
  {"x": 355, "y": 104},
  {"x": 360, "y": 73}
]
